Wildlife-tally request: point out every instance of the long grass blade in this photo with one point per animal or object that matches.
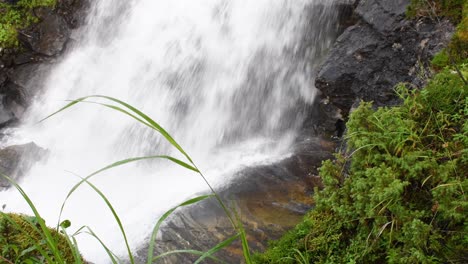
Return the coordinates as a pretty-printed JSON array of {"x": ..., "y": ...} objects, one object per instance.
[
  {"x": 87, "y": 230},
  {"x": 119, "y": 109},
  {"x": 187, "y": 251},
  {"x": 244, "y": 241},
  {"x": 116, "y": 164},
  {"x": 164, "y": 217},
  {"x": 73, "y": 246},
  {"x": 117, "y": 219},
  {"x": 133, "y": 109},
  {"x": 217, "y": 248}
]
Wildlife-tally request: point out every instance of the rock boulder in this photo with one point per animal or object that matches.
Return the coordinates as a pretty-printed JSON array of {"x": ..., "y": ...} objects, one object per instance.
[
  {"x": 16, "y": 160},
  {"x": 381, "y": 50}
]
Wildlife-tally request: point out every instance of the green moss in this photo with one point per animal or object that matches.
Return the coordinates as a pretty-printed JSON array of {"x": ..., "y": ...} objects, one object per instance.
[
  {"x": 398, "y": 195},
  {"x": 22, "y": 242},
  {"x": 451, "y": 9},
  {"x": 457, "y": 50},
  {"x": 14, "y": 17},
  {"x": 402, "y": 200}
]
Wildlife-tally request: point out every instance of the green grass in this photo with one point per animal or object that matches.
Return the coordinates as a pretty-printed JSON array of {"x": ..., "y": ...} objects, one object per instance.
[{"x": 62, "y": 225}]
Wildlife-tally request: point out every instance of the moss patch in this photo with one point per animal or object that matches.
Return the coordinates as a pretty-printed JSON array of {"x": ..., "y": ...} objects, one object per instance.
[
  {"x": 21, "y": 241},
  {"x": 14, "y": 17},
  {"x": 434, "y": 9}
]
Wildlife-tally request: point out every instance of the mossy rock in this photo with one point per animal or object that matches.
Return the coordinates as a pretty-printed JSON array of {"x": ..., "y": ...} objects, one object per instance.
[
  {"x": 451, "y": 9},
  {"x": 23, "y": 241},
  {"x": 18, "y": 15}
]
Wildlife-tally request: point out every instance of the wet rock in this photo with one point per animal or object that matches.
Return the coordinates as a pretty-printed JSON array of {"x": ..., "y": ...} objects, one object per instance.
[
  {"x": 382, "y": 15},
  {"x": 16, "y": 160},
  {"x": 380, "y": 51},
  {"x": 49, "y": 36},
  {"x": 269, "y": 199}
]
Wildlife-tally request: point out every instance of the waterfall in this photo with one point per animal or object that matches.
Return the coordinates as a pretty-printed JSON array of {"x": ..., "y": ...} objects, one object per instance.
[{"x": 229, "y": 79}]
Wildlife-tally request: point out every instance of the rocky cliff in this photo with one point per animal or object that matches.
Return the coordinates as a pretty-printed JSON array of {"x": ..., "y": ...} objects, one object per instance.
[{"x": 381, "y": 50}]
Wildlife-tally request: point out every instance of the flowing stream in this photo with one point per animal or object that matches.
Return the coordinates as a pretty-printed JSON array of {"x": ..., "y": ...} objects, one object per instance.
[{"x": 229, "y": 79}]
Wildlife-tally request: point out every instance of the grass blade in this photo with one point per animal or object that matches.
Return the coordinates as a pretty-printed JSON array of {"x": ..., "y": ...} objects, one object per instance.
[
  {"x": 89, "y": 231},
  {"x": 164, "y": 217},
  {"x": 187, "y": 251},
  {"x": 73, "y": 245},
  {"x": 216, "y": 248},
  {"x": 116, "y": 164},
  {"x": 117, "y": 219},
  {"x": 244, "y": 241},
  {"x": 133, "y": 109}
]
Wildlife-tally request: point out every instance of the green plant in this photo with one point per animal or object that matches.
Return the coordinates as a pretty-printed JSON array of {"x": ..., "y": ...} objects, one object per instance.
[
  {"x": 15, "y": 17},
  {"x": 398, "y": 195},
  {"x": 434, "y": 9},
  {"x": 136, "y": 114}
]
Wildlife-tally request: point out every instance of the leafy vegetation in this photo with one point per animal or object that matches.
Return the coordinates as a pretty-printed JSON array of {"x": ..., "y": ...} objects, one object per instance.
[
  {"x": 17, "y": 16},
  {"x": 398, "y": 194}
]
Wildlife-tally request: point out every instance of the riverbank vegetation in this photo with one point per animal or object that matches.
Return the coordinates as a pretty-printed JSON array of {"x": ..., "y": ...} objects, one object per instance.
[
  {"x": 17, "y": 15},
  {"x": 398, "y": 192}
]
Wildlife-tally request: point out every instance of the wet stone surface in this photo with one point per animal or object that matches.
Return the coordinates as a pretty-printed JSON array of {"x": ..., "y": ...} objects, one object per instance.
[{"x": 270, "y": 200}]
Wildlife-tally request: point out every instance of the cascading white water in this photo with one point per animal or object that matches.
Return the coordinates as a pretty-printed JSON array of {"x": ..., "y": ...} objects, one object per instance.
[{"x": 224, "y": 77}]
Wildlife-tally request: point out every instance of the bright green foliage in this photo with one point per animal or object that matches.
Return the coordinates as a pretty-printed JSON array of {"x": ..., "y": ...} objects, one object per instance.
[
  {"x": 14, "y": 17},
  {"x": 399, "y": 194},
  {"x": 20, "y": 239}
]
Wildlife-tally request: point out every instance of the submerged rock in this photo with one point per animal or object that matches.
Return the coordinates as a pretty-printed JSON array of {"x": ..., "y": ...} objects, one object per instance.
[
  {"x": 380, "y": 51},
  {"x": 16, "y": 160}
]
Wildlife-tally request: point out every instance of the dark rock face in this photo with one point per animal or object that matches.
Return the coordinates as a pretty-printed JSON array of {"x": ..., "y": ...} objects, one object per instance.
[
  {"x": 49, "y": 36},
  {"x": 16, "y": 160},
  {"x": 380, "y": 51},
  {"x": 22, "y": 69}
]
